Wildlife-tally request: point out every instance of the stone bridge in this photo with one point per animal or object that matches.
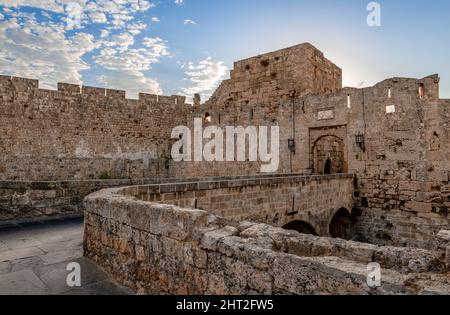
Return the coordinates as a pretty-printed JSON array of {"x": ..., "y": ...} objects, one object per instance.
[
  {"x": 318, "y": 205},
  {"x": 151, "y": 245}
]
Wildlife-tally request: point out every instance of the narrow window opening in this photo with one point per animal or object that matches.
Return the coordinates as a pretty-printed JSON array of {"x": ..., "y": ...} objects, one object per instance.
[
  {"x": 390, "y": 93},
  {"x": 327, "y": 167},
  {"x": 208, "y": 118},
  {"x": 349, "y": 103},
  {"x": 421, "y": 90}
]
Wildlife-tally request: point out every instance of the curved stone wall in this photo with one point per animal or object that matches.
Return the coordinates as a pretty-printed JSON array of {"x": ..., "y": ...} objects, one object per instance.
[
  {"x": 157, "y": 248},
  {"x": 275, "y": 200}
]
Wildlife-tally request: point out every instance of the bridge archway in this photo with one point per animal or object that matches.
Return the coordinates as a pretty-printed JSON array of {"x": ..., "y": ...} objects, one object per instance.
[
  {"x": 301, "y": 227},
  {"x": 341, "y": 224},
  {"x": 328, "y": 155}
]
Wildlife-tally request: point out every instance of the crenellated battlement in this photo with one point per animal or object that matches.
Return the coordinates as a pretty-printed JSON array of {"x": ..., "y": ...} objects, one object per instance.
[
  {"x": 80, "y": 131},
  {"x": 17, "y": 84}
]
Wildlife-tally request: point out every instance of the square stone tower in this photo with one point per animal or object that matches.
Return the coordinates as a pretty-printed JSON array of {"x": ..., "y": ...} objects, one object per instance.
[{"x": 279, "y": 75}]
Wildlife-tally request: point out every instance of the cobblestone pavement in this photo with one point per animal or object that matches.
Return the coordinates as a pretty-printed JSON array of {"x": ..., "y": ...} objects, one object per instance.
[{"x": 34, "y": 258}]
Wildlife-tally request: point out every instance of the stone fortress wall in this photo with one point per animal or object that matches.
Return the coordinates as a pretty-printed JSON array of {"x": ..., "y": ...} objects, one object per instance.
[
  {"x": 400, "y": 159},
  {"x": 80, "y": 132},
  {"x": 392, "y": 136}
]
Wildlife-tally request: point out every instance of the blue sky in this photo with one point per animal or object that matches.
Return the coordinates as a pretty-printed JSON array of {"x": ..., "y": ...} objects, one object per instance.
[{"x": 189, "y": 46}]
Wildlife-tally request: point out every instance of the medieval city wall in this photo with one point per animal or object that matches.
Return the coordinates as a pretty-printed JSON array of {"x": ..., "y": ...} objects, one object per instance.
[
  {"x": 84, "y": 132},
  {"x": 402, "y": 166},
  {"x": 261, "y": 92},
  {"x": 95, "y": 133}
]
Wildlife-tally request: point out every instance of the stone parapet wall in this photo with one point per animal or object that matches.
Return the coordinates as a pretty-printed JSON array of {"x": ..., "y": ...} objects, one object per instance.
[
  {"x": 29, "y": 200},
  {"x": 272, "y": 200},
  {"x": 164, "y": 249}
]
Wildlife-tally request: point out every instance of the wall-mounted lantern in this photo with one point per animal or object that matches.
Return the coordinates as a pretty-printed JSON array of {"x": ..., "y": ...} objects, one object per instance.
[
  {"x": 360, "y": 141},
  {"x": 291, "y": 145}
]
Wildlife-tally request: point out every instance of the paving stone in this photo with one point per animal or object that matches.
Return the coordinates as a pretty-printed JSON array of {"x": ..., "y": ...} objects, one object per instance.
[
  {"x": 20, "y": 253},
  {"x": 44, "y": 266},
  {"x": 5, "y": 267},
  {"x": 54, "y": 276},
  {"x": 107, "y": 288},
  {"x": 30, "y": 263},
  {"x": 71, "y": 243},
  {"x": 3, "y": 247},
  {"x": 22, "y": 241},
  {"x": 77, "y": 291},
  {"x": 62, "y": 256},
  {"x": 22, "y": 283},
  {"x": 58, "y": 237}
]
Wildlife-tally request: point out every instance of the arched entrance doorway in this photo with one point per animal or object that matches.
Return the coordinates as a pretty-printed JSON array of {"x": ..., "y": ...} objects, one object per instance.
[
  {"x": 341, "y": 225},
  {"x": 301, "y": 227},
  {"x": 328, "y": 155}
]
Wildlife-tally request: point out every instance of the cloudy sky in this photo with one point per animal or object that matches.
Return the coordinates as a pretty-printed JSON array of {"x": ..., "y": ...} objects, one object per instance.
[{"x": 188, "y": 46}]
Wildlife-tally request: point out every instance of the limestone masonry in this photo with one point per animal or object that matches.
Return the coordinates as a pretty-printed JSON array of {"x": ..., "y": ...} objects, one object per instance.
[{"x": 363, "y": 176}]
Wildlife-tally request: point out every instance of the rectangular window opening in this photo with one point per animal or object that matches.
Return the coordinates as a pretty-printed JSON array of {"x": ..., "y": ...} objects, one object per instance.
[{"x": 390, "y": 109}]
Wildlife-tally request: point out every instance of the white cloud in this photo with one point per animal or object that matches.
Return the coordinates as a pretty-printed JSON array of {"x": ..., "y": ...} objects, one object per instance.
[
  {"x": 125, "y": 70},
  {"x": 122, "y": 40},
  {"x": 126, "y": 67},
  {"x": 118, "y": 12},
  {"x": 157, "y": 46},
  {"x": 189, "y": 21},
  {"x": 48, "y": 5},
  {"x": 155, "y": 19},
  {"x": 204, "y": 76},
  {"x": 179, "y": 2},
  {"x": 119, "y": 20},
  {"x": 104, "y": 33},
  {"x": 42, "y": 51},
  {"x": 98, "y": 17},
  {"x": 136, "y": 28},
  {"x": 114, "y": 12},
  {"x": 133, "y": 83},
  {"x": 40, "y": 47},
  {"x": 2, "y": 17}
]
